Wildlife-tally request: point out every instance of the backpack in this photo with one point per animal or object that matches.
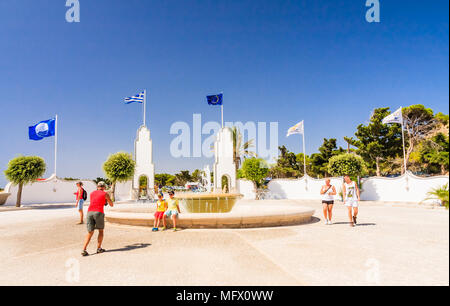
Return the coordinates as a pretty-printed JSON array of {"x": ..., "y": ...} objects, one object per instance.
[{"x": 84, "y": 195}]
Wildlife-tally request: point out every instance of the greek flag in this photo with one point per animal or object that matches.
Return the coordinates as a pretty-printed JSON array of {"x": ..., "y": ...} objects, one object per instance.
[
  {"x": 139, "y": 98},
  {"x": 395, "y": 117}
]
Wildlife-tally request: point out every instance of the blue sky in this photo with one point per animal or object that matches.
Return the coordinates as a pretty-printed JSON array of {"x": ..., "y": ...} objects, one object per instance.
[{"x": 281, "y": 61}]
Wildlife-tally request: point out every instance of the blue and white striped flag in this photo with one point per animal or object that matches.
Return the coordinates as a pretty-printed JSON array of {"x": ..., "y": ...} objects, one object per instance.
[{"x": 139, "y": 98}]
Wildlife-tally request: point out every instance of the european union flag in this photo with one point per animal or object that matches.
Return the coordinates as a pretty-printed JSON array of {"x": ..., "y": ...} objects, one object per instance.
[
  {"x": 42, "y": 130},
  {"x": 215, "y": 100}
]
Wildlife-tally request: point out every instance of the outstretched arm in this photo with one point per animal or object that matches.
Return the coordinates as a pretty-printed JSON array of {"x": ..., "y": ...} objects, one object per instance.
[{"x": 108, "y": 199}]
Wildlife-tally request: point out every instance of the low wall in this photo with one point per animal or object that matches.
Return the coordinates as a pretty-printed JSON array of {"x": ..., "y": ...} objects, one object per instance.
[
  {"x": 50, "y": 191},
  {"x": 405, "y": 188},
  {"x": 305, "y": 188},
  {"x": 247, "y": 189},
  {"x": 123, "y": 191}
]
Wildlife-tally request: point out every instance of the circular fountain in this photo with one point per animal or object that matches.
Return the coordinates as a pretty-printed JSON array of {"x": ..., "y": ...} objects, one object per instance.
[
  {"x": 210, "y": 211},
  {"x": 214, "y": 209}
]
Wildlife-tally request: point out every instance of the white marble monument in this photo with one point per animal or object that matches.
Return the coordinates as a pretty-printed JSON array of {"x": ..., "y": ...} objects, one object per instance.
[
  {"x": 143, "y": 156},
  {"x": 224, "y": 164}
]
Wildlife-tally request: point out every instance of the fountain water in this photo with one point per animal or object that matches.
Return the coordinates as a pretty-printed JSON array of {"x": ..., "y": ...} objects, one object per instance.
[{"x": 208, "y": 202}]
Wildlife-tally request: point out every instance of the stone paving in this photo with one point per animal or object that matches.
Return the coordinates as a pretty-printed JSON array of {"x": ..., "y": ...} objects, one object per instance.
[{"x": 394, "y": 244}]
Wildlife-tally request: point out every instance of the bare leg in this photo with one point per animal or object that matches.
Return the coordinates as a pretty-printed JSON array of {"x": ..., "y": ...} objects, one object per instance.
[
  {"x": 330, "y": 211},
  {"x": 350, "y": 215},
  {"x": 164, "y": 222},
  {"x": 325, "y": 211},
  {"x": 81, "y": 215},
  {"x": 87, "y": 240},
  {"x": 100, "y": 239},
  {"x": 174, "y": 220},
  {"x": 355, "y": 211}
]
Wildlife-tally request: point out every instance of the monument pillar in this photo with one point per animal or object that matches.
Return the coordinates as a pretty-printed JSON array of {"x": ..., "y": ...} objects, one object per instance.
[
  {"x": 224, "y": 163},
  {"x": 143, "y": 156}
]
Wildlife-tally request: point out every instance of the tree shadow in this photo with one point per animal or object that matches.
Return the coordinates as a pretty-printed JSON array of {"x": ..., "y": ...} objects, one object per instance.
[{"x": 131, "y": 247}]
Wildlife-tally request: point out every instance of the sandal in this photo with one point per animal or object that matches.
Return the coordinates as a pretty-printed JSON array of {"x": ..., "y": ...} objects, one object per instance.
[
  {"x": 100, "y": 250},
  {"x": 84, "y": 253}
]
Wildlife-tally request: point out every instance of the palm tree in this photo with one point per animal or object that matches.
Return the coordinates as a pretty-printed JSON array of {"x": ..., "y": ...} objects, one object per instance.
[
  {"x": 441, "y": 194},
  {"x": 240, "y": 148}
]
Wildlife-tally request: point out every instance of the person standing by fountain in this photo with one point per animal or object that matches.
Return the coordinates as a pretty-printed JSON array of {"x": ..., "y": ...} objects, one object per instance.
[
  {"x": 161, "y": 207},
  {"x": 350, "y": 194},
  {"x": 96, "y": 216},
  {"x": 173, "y": 209},
  {"x": 328, "y": 192}
]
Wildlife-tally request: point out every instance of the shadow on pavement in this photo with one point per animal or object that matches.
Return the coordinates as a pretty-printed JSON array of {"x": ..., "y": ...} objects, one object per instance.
[
  {"x": 131, "y": 247},
  {"x": 358, "y": 224}
]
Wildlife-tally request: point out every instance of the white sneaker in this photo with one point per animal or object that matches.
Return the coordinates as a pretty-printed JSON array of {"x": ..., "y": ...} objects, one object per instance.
[
  {"x": 326, "y": 222},
  {"x": 329, "y": 222}
]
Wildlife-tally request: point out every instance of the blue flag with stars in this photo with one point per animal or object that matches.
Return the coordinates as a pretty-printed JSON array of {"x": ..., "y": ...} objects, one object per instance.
[{"x": 215, "y": 99}]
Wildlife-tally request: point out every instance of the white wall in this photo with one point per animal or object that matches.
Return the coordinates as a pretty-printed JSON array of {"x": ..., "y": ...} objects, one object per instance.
[
  {"x": 49, "y": 191},
  {"x": 123, "y": 191},
  {"x": 406, "y": 188},
  {"x": 247, "y": 189},
  {"x": 305, "y": 188}
]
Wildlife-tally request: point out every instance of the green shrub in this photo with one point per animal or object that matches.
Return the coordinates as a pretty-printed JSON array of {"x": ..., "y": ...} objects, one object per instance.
[
  {"x": 23, "y": 170},
  {"x": 346, "y": 164}
]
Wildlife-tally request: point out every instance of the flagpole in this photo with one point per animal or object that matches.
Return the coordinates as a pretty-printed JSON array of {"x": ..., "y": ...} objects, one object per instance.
[
  {"x": 304, "y": 150},
  {"x": 145, "y": 103},
  {"x": 403, "y": 140},
  {"x": 56, "y": 141},
  {"x": 221, "y": 109}
]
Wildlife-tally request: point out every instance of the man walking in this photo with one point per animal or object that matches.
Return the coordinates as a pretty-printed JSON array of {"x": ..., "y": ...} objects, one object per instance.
[
  {"x": 350, "y": 194},
  {"x": 96, "y": 216}
]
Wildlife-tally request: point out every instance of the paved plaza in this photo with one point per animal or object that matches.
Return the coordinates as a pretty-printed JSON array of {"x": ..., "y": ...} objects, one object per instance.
[{"x": 392, "y": 245}]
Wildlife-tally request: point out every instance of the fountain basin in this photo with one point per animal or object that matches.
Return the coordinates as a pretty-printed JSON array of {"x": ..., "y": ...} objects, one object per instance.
[
  {"x": 246, "y": 214},
  {"x": 208, "y": 203}
]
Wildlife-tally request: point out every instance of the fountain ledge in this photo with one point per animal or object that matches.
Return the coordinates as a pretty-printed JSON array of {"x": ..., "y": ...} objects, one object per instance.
[{"x": 244, "y": 217}]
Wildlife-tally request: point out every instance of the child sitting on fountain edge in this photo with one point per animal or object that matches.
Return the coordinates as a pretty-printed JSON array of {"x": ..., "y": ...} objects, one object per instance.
[
  {"x": 161, "y": 207},
  {"x": 173, "y": 209}
]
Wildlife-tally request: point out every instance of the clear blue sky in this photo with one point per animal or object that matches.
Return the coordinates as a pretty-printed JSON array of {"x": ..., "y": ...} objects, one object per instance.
[{"x": 276, "y": 60}]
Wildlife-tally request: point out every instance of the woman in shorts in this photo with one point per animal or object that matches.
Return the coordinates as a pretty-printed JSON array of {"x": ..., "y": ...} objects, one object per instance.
[{"x": 328, "y": 192}]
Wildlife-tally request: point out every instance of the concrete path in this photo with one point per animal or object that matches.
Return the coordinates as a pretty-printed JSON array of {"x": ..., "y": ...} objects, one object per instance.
[{"x": 391, "y": 246}]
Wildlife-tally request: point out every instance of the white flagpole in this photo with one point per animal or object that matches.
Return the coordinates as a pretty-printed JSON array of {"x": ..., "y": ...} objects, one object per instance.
[
  {"x": 221, "y": 109},
  {"x": 304, "y": 150},
  {"x": 145, "y": 102},
  {"x": 403, "y": 140},
  {"x": 56, "y": 142}
]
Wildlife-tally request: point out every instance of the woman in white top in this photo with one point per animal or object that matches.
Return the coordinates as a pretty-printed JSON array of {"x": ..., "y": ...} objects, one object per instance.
[
  {"x": 350, "y": 194},
  {"x": 328, "y": 192}
]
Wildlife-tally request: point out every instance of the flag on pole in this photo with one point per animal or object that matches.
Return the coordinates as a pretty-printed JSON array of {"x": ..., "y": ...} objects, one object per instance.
[
  {"x": 42, "y": 130},
  {"x": 296, "y": 129},
  {"x": 395, "y": 117},
  {"x": 139, "y": 98},
  {"x": 215, "y": 99}
]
